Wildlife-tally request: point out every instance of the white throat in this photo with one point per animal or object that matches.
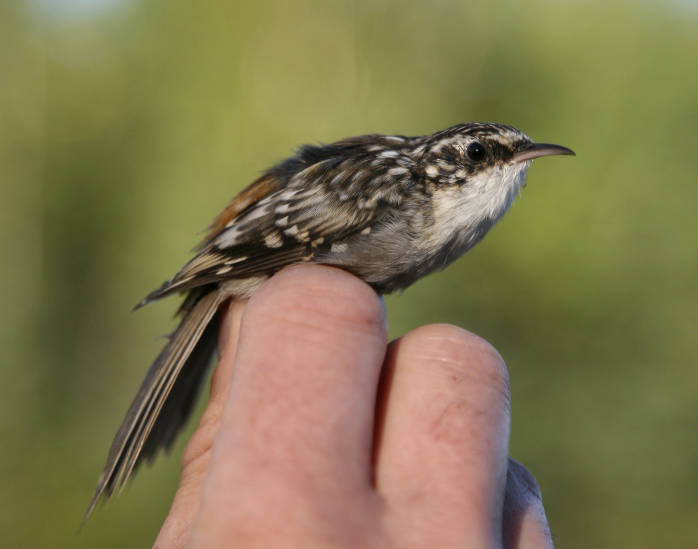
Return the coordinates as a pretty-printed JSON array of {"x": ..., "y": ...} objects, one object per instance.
[{"x": 460, "y": 210}]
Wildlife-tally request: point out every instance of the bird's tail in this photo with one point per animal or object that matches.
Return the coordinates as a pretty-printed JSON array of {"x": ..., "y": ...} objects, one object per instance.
[{"x": 166, "y": 396}]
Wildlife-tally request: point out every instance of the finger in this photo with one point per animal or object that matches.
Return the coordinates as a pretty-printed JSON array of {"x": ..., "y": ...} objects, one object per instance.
[
  {"x": 442, "y": 435},
  {"x": 297, "y": 428},
  {"x": 195, "y": 458},
  {"x": 524, "y": 523}
]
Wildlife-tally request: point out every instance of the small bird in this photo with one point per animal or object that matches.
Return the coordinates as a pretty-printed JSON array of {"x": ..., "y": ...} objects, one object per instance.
[{"x": 387, "y": 208}]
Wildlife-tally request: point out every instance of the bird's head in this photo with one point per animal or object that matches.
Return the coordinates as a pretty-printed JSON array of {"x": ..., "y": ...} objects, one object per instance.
[
  {"x": 480, "y": 166},
  {"x": 468, "y": 153}
]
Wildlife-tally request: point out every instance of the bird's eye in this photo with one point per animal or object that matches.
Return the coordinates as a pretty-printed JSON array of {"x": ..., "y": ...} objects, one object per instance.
[{"x": 476, "y": 151}]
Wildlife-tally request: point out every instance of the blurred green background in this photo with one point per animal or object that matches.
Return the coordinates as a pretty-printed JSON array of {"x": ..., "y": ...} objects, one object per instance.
[{"x": 126, "y": 125}]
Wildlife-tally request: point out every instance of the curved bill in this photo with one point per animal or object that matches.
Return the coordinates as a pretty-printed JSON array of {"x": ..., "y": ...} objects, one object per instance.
[{"x": 536, "y": 150}]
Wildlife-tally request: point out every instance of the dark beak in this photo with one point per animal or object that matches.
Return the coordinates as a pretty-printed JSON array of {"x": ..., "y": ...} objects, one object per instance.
[{"x": 536, "y": 150}]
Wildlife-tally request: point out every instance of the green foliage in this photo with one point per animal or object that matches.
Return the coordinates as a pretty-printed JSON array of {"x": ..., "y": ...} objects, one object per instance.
[{"x": 124, "y": 130}]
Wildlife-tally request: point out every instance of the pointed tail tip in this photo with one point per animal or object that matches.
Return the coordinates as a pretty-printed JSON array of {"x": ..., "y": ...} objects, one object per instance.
[
  {"x": 102, "y": 491},
  {"x": 140, "y": 304},
  {"x": 90, "y": 507},
  {"x": 152, "y": 296}
]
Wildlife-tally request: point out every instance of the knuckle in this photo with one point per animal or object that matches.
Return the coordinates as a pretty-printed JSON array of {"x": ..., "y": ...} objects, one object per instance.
[
  {"x": 198, "y": 449},
  {"x": 195, "y": 458}
]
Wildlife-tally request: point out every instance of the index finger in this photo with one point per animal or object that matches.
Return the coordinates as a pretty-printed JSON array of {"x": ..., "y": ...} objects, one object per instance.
[{"x": 298, "y": 424}]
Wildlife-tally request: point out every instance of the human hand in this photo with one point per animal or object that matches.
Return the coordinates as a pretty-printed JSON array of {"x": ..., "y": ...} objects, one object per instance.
[{"x": 317, "y": 434}]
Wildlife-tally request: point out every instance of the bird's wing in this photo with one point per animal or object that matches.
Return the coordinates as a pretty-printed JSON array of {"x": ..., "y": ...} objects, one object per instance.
[{"x": 277, "y": 222}]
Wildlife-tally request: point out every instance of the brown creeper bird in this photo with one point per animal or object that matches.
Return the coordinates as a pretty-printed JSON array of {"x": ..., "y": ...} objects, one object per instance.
[{"x": 387, "y": 208}]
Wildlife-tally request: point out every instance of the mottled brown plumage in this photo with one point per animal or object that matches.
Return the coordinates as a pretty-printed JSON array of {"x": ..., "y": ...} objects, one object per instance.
[
  {"x": 389, "y": 209},
  {"x": 253, "y": 193}
]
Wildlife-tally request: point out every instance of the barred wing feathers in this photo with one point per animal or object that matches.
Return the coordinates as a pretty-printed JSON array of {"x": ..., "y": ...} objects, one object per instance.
[{"x": 296, "y": 209}]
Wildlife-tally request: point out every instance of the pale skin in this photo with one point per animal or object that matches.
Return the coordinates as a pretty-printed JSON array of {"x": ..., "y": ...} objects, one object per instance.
[{"x": 318, "y": 434}]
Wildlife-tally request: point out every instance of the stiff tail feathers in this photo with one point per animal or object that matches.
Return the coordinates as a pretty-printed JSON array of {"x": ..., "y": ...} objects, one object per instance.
[{"x": 166, "y": 396}]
